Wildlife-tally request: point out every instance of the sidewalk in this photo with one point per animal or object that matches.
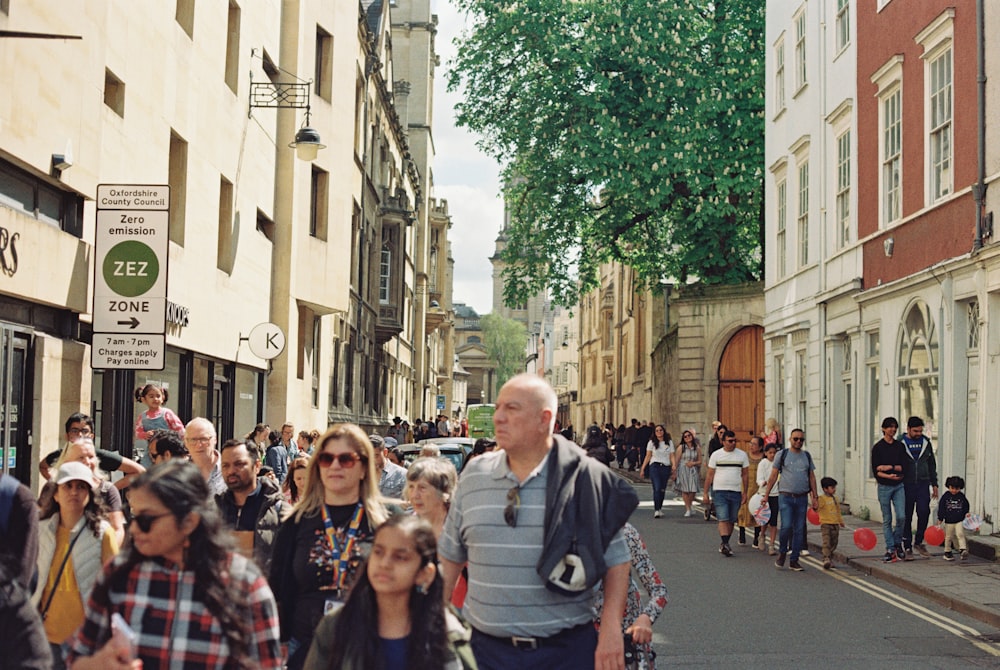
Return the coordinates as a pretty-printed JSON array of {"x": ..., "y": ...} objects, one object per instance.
[{"x": 971, "y": 587}]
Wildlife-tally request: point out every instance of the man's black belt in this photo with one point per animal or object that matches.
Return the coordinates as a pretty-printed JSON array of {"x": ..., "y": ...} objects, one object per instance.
[
  {"x": 521, "y": 642},
  {"x": 794, "y": 495}
]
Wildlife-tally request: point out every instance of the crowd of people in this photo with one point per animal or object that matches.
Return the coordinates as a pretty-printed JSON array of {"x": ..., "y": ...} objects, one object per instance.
[{"x": 277, "y": 550}]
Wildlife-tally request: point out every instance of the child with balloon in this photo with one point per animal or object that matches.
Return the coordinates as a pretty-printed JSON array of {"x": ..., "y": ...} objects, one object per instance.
[{"x": 830, "y": 519}]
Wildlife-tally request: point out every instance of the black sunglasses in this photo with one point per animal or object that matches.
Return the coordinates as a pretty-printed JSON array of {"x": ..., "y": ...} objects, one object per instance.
[
  {"x": 798, "y": 439},
  {"x": 513, "y": 503},
  {"x": 145, "y": 521},
  {"x": 346, "y": 460}
]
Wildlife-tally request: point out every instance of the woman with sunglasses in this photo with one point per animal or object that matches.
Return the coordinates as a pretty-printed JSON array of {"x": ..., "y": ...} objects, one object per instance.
[
  {"x": 687, "y": 469},
  {"x": 190, "y": 598},
  {"x": 321, "y": 546}
]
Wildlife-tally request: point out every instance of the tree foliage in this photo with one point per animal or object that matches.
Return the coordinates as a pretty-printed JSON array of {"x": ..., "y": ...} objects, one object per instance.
[
  {"x": 629, "y": 131},
  {"x": 505, "y": 341}
]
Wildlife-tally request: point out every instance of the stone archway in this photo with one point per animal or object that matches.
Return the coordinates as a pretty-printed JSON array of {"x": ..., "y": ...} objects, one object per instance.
[{"x": 741, "y": 383}]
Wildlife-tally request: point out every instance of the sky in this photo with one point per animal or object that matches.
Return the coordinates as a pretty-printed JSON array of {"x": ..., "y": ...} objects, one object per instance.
[{"x": 465, "y": 177}]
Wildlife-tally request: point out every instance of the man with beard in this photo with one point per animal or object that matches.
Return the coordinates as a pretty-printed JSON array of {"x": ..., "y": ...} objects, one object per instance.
[{"x": 252, "y": 506}]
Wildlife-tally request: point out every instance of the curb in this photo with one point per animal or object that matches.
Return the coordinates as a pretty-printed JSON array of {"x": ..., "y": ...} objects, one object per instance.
[{"x": 866, "y": 566}]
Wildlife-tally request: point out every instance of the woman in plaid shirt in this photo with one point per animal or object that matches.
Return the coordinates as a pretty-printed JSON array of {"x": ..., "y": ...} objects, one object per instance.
[{"x": 192, "y": 600}]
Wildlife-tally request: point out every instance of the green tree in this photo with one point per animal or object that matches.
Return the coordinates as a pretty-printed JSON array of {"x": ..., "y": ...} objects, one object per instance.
[
  {"x": 629, "y": 131},
  {"x": 505, "y": 341}
]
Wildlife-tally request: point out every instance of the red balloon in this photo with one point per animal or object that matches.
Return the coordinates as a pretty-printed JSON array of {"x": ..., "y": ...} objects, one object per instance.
[
  {"x": 865, "y": 539},
  {"x": 934, "y": 536},
  {"x": 813, "y": 516}
]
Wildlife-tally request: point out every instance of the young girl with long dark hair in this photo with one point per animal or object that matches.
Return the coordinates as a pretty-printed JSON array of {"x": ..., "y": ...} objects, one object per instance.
[{"x": 395, "y": 618}]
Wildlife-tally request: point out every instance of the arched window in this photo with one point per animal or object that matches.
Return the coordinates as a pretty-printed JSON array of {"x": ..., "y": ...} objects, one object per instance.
[{"x": 918, "y": 366}]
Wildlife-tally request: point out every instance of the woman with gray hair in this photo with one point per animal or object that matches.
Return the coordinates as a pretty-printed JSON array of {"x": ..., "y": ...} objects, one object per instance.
[{"x": 429, "y": 485}]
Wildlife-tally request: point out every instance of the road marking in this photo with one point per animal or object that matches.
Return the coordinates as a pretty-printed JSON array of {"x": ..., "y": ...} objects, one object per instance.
[{"x": 963, "y": 631}]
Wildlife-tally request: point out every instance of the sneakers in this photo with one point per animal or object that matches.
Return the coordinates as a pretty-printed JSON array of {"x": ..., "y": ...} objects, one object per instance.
[
  {"x": 965, "y": 554},
  {"x": 890, "y": 557},
  {"x": 804, "y": 552},
  {"x": 742, "y": 542},
  {"x": 900, "y": 554},
  {"x": 780, "y": 563},
  {"x": 725, "y": 550},
  {"x": 794, "y": 565},
  {"x": 827, "y": 565},
  {"x": 908, "y": 555},
  {"x": 772, "y": 551},
  {"x": 687, "y": 513},
  {"x": 948, "y": 556},
  {"x": 922, "y": 550},
  {"x": 657, "y": 514}
]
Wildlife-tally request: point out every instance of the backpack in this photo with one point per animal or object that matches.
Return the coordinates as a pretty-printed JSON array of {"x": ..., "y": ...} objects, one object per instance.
[{"x": 781, "y": 456}]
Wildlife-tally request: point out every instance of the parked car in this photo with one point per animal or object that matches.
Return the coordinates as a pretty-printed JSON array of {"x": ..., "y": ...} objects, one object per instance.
[{"x": 455, "y": 449}]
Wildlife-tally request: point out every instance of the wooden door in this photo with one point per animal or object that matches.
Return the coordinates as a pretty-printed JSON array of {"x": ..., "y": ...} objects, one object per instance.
[{"x": 741, "y": 384}]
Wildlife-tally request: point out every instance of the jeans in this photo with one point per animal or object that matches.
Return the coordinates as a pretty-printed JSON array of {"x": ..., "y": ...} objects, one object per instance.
[
  {"x": 659, "y": 475},
  {"x": 727, "y": 504},
  {"x": 892, "y": 497},
  {"x": 793, "y": 516},
  {"x": 918, "y": 495}
]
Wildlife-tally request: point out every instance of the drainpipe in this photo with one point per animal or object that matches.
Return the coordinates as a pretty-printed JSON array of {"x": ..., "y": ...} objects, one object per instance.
[{"x": 979, "y": 190}]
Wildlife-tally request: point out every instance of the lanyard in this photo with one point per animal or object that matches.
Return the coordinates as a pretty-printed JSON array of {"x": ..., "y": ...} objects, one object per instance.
[{"x": 342, "y": 554}]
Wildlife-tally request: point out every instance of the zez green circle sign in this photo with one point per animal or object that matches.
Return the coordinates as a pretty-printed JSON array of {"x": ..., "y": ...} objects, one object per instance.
[{"x": 130, "y": 268}]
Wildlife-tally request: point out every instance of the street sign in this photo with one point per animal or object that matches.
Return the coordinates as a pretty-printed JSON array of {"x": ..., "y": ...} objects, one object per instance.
[
  {"x": 131, "y": 252},
  {"x": 135, "y": 352},
  {"x": 130, "y": 277},
  {"x": 267, "y": 340},
  {"x": 440, "y": 403}
]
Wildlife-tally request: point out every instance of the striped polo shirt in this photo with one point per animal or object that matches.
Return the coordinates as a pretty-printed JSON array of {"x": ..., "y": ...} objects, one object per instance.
[{"x": 506, "y": 595}]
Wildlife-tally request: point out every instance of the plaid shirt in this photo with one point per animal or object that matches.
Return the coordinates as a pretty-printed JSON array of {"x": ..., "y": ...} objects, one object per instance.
[{"x": 175, "y": 628}]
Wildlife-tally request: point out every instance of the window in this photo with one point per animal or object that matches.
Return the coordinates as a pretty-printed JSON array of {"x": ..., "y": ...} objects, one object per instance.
[
  {"x": 782, "y": 242},
  {"x": 385, "y": 275},
  {"x": 940, "y": 144},
  {"x": 779, "y": 77},
  {"x": 779, "y": 389},
  {"x": 177, "y": 180},
  {"x": 233, "y": 47},
  {"x": 184, "y": 16},
  {"x": 844, "y": 189},
  {"x": 803, "y": 215},
  {"x": 972, "y": 316},
  {"x": 323, "y": 76},
  {"x": 317, "y": 339},
  {"x": 359, "y": 106},
  {"x": 33, "y": 197},
  {"x": 892, "y": 156},
  {"x": 225, "y": 256},
  {"x": 318, "y": 207},
  {"x": 918, "y": 365},
  {"x": 873, "y": 420},
  {"x": 114, "y": 93},
  {"x": 800, "y": 50},
  {"x": 335, "y": 375},
  {"x": 843, "y": 24},
  {"x": 802, "y": 371},
  {"x": 847, "y": 408}
]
